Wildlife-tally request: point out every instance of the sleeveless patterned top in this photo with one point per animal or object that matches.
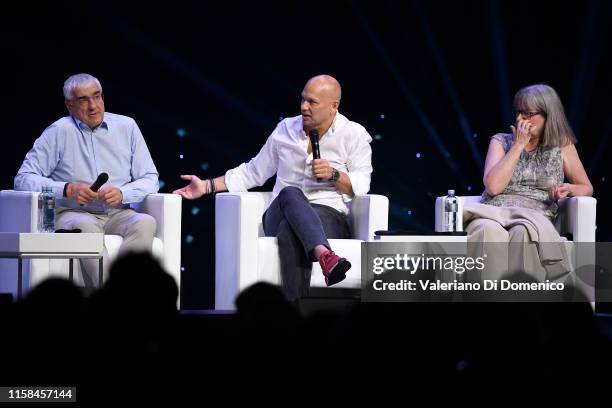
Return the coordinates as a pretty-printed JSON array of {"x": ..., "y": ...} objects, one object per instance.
[{"x": 534, "y": 173}]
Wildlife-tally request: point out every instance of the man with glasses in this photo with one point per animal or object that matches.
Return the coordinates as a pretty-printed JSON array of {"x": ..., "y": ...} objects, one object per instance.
[{"x": 71, "y": 154}]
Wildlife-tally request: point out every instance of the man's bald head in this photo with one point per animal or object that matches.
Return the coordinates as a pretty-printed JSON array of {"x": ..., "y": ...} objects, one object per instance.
[
  {"x": 320, "y": 101},
  {"x": 328, "y": 84}
]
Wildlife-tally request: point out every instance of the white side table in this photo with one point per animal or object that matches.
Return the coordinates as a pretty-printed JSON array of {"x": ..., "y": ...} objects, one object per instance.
[
  {"x": 459, "y": 239},
  {"x": 22, "y": 245}
]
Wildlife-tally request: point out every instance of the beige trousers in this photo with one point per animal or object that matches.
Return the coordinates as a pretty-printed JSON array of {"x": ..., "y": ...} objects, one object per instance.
[
  {"x": 137, "y": 230},
  {"x": 507, "y": 251}
]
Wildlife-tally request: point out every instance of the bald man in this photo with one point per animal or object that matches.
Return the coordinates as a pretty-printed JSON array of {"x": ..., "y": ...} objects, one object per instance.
[{"x": 310, "y": 196}]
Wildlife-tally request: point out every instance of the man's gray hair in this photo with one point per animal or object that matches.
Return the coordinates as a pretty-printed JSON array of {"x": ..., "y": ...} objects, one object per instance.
[
  {"x": 544, "y": 99},
  {"x": 78, "y": 81}
]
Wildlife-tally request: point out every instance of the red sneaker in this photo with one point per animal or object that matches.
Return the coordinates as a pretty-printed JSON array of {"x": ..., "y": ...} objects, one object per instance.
[{"x": 334, "y": 268}]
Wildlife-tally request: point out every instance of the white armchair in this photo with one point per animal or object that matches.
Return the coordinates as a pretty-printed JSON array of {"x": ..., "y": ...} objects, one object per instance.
[
  {"x": 244, "y": 255},
  {"x": 576, "y": 216},
  {"x": 19, "y": 213}
]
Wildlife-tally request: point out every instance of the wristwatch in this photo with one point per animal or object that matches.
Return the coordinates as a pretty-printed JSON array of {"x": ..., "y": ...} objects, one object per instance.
[{"x": 335, "y": 175}]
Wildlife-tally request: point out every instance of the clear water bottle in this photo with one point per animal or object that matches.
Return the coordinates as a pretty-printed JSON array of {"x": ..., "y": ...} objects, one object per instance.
[
  {"x": 46, "y": 210},
  {"x": 451, "y": 212}
]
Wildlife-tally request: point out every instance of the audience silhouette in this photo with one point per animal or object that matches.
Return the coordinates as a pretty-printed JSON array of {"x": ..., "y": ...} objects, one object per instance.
[{"x": 130, "y": 332}]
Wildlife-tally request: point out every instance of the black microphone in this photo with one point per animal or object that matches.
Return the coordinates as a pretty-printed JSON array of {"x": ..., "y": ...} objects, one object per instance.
[
  {"x": 314, "y": 141},
  {"x": 102, "y": 178}
]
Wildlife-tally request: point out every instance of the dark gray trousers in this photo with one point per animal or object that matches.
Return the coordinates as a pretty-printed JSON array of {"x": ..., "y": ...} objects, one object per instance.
[{"x": 299, "y": 227}]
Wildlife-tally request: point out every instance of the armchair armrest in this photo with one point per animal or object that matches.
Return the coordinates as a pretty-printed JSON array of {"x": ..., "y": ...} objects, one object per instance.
[
  {"x": 18, "y": 211},
  {"x": 237, "y": 229},
  {"x": 166, "y": 209},
  {"x": 577, "y": 217},
  {"x": 369, "y": 213}
]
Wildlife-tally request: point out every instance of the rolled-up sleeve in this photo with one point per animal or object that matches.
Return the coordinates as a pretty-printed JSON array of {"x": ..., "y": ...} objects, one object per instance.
[
  {"x": 254, "y": 173},
  {"x": 359, "y": 163}
]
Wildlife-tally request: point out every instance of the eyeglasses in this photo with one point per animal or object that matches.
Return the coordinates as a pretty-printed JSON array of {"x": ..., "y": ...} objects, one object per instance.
[
  {"x": 526, "y": 114},
  {"x": 84, "y": 100}
]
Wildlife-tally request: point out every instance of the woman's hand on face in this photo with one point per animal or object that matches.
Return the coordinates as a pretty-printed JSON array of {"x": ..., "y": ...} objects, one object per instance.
[{"x": 522, "y": 132}]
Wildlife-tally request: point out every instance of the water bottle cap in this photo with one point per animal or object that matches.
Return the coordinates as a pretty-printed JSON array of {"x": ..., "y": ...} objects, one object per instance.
[{"x": 451, "y": 192}]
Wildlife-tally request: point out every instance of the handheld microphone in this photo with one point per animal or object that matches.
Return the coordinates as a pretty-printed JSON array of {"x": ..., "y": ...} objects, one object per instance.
[
  {"x": 102, "y": 178},
  {"x": 314, "y": 141}
]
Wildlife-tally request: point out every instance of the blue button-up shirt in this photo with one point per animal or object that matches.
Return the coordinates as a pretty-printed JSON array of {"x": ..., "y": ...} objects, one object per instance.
[{"x": 69, "y": 151}]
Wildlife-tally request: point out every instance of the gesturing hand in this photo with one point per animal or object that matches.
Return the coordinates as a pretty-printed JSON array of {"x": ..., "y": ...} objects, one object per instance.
[{"x": 195, "y": 189}]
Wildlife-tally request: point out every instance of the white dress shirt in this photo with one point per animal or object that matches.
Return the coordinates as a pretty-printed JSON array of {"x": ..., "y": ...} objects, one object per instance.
[{"x": 346, "y": 146}]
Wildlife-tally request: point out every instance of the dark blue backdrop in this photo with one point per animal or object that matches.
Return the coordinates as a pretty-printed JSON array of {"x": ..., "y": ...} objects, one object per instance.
[{"x": 431, "y": 81}]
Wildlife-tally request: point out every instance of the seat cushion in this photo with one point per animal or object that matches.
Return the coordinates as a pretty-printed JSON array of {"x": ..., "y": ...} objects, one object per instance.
[
  {"x": 113, "y": 242},
  {"x": 268, "y": 263}
]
